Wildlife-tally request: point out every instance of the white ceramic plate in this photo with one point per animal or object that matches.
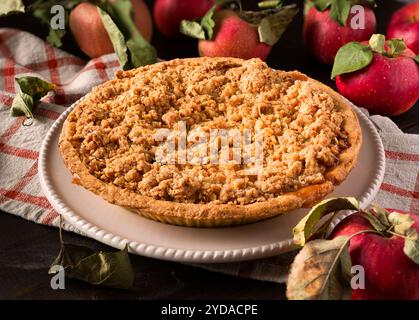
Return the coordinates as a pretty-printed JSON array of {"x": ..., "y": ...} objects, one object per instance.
[{"x": 116, "y": 226}]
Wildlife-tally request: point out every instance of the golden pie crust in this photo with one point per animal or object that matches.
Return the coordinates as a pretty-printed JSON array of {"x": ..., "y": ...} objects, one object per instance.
[{"x": 311, "y": 140}]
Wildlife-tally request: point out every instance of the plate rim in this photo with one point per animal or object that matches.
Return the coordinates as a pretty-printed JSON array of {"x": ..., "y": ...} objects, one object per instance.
[{"x": 182, "y": 255}]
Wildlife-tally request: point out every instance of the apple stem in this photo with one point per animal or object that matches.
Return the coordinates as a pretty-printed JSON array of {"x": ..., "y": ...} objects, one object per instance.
[{"x": 412, "y": 19}]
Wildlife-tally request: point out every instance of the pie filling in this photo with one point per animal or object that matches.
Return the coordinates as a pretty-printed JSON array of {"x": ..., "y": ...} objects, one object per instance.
[{"x": 297, "y": 125}]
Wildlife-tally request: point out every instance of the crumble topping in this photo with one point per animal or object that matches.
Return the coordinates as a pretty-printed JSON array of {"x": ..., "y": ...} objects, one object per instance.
[{"x": 114, "y": 129}]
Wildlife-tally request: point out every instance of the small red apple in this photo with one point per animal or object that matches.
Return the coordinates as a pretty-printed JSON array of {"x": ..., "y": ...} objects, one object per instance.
[
  {"x": 90, "y": 34},
  {"x": 389, "y": 273},
  {"x": 233, "y": 37},
  {"x": 169, "y": 13},
  {"x": 404, "y": 24},
  {"x": 389, "y": 85},
  {"x": 88, "y": 31},
  {"x": 324, "y": 36}
]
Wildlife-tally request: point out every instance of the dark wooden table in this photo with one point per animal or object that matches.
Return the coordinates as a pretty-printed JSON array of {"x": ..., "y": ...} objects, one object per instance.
[{"x": 27, "y": 249}]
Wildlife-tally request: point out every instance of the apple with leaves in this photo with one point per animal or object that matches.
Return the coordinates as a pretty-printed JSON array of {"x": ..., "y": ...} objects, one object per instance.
[
  {"x": 385, "y": 243},
  {"x": 232, "y": 32},
  {"x": 234, "y": 37},
  {"x": 329, "y": 24},
  {"x": 380, "y": 75},
  {"x": 90, "y": 34},
  {"x": 389, "y": 272},
  {"x": 404, "y": 24},
  {"x": 169, "y": 13}
]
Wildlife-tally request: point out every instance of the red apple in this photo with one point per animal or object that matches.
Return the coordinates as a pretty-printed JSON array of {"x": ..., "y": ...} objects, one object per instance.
[
  {"x": 90, "y": 34},
  {"x": 233, "y": 37},
  {"x": 169, "y": 13},
  {"x": 387, "y": 86},
  {"x": 324, "y": 36},
  {"x": 404, "y": 24},
  {"x": 389, "y": 273}
]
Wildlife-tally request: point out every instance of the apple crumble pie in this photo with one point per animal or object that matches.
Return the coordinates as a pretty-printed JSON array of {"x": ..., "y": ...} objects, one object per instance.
[{"x": 309, "y": 136}]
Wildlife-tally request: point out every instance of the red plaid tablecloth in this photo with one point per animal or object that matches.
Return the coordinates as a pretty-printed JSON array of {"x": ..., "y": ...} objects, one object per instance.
[{"x": 24, "y": 54}]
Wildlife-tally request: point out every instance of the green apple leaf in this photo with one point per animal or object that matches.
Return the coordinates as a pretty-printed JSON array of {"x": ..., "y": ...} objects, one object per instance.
[
  {"x": 208, "y": 23},
  {"x": 32, "y": 89},
  {"x": 132, "y": 49},
  {"x": 306, "y": 228},
  {"x": 403, "y": 226},
  {"x": 139, "y": 56},
  {"x": 339, "y": 11},
  {"x": 377, "y": 43},
  {"x": 192, "y": 29},
  {"x": 378, "y": 218},
  {"x": 401, "y": 222},
  {"x": 55, "y": 37},
  {"x": 381, "y": 214},
  {"x": 272, "y": 26},
  {"x": 321, "y": 5},
  {"x": 395, "y": 47},
  {"x": 321, "y": 271},
  {"x": 269, "y": 4},
  {"x": 143, "y": 53},
  {"x": 416, "y": 58},
  {"x": 116, "y": 37},
  {"x": 351, "y": 57},
  {"x": 35, "y": 87},
  {"x": 98, "y": 268},
  {"x": 202, "y": 30},
  {"x": 22, "y": 105},
  {"x": 374, "y": 221},
  {"x": 11, "y": 6},
  {"x": 411, "y": 246}
]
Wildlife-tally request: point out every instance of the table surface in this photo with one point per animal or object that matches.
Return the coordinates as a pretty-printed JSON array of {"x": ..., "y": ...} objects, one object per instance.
[{"x": 27, "y": 249}]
